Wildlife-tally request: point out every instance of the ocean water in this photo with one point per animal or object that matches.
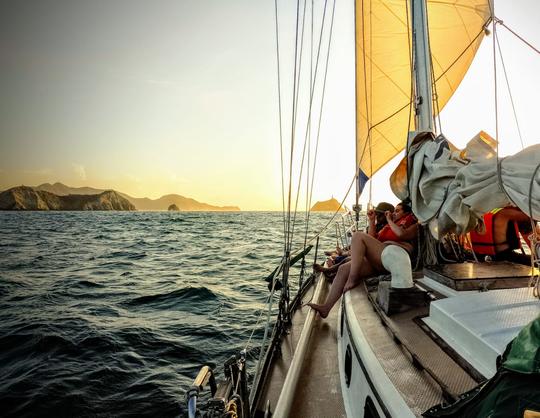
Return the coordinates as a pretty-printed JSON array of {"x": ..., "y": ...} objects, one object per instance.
[{"x": 114, "y": 313}]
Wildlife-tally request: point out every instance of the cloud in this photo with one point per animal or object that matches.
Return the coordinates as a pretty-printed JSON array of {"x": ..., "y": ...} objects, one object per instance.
[{"x": 79, "y": 170}]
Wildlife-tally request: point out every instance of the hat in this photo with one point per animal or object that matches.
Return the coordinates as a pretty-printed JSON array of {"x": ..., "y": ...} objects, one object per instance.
[{"x": 383, "y": 207}]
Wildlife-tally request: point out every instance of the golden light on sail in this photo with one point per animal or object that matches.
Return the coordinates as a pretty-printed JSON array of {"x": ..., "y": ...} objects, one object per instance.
[{"x": 383, "y": 68}]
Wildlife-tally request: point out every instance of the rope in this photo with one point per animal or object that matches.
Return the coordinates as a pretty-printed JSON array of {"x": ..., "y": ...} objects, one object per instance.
[
  {"x": 335, "y": 213},
  {"x": 509, "y": 92},
  {"x": 280, "y": 125},
  {"x": 320, "y": 117},
  {"x": 297, "y": 95},
  {"x": 309, "y": 143},
  {"x": 500, "y": 22},
  {"x": 231, "y": 409},
  {"x": 291, "y": 236},
  {"x": 435, "y": 95},
  {"x": 292, "y": 130},
  {"x": 368, "y": 114},
  {"x": 496, "y": 94},
  {"x": 267, "y": 327}
]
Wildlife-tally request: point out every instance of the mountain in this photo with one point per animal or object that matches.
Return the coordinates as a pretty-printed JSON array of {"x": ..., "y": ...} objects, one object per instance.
[
  {"x": 144, "y": 203},
  {"x": 63, "y": 190},
  {"x": 330, "y": 205},
  {"x": 26, "y": 198}
]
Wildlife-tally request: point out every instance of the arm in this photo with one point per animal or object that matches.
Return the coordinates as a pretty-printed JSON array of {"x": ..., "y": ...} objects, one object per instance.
[
  {"x": 404, "y": 234},
  {"x": 372, "y": 230}
]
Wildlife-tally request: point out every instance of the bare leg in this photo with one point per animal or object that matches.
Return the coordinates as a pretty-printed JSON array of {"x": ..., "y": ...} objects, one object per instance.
[
  {"x": 335, "y": 291},
  {"x": 364, "y": 248},
  {"x": 338, "y": 286}
]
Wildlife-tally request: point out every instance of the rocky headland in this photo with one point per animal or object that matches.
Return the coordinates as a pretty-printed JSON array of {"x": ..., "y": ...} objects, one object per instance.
[
  {"x": 26, "y": 198},
  {"x": 183, "y": 203},
  {"x": 330, "y": 205}
]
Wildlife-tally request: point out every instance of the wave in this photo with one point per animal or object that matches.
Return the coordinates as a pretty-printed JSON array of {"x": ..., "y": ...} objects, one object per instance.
[
  {"x": 187, "y": 297},
  {"x": 124, "y": 254},
  {"x": 88, "y": 284}
]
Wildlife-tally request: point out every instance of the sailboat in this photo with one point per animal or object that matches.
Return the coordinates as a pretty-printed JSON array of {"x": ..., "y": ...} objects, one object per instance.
[{"x": 454, "y": 339}]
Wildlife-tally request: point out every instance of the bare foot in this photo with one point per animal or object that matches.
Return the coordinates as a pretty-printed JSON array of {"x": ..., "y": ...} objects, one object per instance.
[
  {"x": 321, "y": 310},
  {"x": 319, "y": 268}
]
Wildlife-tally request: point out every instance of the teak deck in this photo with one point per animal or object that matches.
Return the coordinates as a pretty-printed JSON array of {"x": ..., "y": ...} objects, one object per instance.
[{"x": 480, "y": 276}]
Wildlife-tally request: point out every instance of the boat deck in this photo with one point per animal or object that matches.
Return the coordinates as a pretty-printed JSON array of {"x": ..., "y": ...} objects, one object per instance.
[
  {"x": 393, "y": 346},
  {"x": 318, "y": 393}
]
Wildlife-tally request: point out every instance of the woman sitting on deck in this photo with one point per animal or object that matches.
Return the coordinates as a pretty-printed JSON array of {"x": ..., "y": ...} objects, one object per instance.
[
  {"x": 366, "y": 253},
  {"x": 377, "y": 221}
]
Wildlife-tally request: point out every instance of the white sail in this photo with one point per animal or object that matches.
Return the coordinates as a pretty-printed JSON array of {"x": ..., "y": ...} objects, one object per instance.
[{"x": 383, "y": 68}]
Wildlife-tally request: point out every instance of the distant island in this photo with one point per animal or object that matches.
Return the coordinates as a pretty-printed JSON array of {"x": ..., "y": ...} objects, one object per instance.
[
  {"x": 173, "y": 208},
  {"x": 330, "y": 205},
  {"x": 58, "y": 198},
  {"x": 26, "y": 198}
]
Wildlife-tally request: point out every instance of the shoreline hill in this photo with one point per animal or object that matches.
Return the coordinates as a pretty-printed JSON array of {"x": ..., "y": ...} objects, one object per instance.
[
  {"x": 183, "y": 203},
  {"x": 330, "y": 205},
  {"x": 27, "y": 198}
]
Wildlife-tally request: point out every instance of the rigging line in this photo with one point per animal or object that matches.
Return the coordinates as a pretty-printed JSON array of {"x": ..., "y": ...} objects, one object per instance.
[
  {"x": 324, "y": 228},
  {"x": 280, "y": 125},
  {"x": 310, "y": 132},
  {"x": 300, "y": 54},
  {"x": 370, "y": 137},
  {"x": 496, "y": 90},
  {"x": 309, "y": 117},
  {"x": 438, "y": 78},
  {"x": 464, "y": 50},
  {"x": 312, "y": 87},
  {"x": 368, "y": 115},
  {"x": 295, "y": 113},
  {"x": 434, "y": 97},
  {"x": 322, "y": 106},
  {"x": 267, "y": 328},
  {"x": 510, "y": 92},
  {"x": 292, "y": 131},
  {"x": 411, "y": 95},
  {"x": 500, "y": 22}
]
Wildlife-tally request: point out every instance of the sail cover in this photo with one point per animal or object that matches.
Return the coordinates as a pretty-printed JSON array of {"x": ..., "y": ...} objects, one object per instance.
[
  {"x": 383, "y": 68},
  {"x": 451, "y": 190}
]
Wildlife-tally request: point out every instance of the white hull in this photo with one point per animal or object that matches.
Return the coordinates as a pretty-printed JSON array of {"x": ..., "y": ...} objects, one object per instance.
[{"x": 364, "y": 383}]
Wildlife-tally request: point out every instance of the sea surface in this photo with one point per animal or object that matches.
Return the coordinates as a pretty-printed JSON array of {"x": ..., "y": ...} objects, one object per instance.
[{"x": 114, "y": 313}]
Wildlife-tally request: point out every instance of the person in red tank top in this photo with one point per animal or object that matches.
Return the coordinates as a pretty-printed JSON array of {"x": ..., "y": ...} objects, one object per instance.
[{"x": 366, "y": 250}]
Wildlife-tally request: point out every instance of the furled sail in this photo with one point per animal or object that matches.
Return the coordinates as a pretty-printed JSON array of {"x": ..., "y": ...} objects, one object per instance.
[
  {"x": 452, "y": 189},
  {"x": 383, "y": 68}
]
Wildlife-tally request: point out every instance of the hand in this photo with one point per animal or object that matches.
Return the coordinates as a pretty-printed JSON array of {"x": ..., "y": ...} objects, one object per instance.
[
  {"x": 388, "y": 215},
  {"x": 371, "y": 215}
]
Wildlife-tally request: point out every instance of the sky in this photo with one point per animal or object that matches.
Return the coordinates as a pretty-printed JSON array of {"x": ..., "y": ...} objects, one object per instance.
[{"x": 159, "y": 97}]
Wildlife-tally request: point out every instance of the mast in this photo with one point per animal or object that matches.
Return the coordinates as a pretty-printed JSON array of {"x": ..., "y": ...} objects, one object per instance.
[
  {"x": 356, "y": 206},
  {"x": 422, "y": 67}
]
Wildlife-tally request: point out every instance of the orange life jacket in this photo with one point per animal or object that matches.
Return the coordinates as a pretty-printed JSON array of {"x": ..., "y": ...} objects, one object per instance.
[{"x": 485, "y": 244}]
